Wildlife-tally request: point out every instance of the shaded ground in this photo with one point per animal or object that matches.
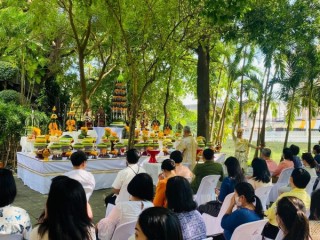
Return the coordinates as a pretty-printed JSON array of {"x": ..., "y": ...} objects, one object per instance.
[{"x": 34, "y": 202}]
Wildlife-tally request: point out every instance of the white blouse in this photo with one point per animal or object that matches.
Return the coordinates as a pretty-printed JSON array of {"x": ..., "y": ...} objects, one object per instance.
[
  {"x": 123, "y": 212},
  {"x": 15, "y": 220},
  {"x": 36, "y": 236}
]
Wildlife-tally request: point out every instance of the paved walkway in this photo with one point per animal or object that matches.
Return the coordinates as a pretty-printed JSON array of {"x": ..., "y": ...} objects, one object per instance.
[{"x": 34, "y": 202}]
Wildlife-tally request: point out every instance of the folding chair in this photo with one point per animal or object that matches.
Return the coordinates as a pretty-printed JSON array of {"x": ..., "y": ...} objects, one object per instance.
[
  {"x": 309, "y": 187},
  {"x": 280, "y": 235},
  {"x": 206, "y": 191},
  {"x": 109, "y": 209},
  {"x": 263, "y": 194},
  {"x": 282, "y": 181},
  {"x": 249, "y": 231},
  {"x": 124, "y": 231},
  {"x": 213, "y": 224}
]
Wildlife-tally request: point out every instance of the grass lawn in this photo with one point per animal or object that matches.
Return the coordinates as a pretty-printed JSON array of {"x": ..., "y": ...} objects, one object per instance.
[{"x": 276, "y": 149}]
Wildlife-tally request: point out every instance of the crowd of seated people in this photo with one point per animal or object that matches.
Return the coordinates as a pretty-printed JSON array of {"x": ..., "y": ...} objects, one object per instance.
[{"x": 171, "y": 212}]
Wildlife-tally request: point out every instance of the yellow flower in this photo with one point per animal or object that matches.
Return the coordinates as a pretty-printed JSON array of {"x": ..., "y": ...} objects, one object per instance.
[
  {"x": 36, "y": 131},
  {"x": 108, "y": 129},
  {"x": 84, "y": 129}
]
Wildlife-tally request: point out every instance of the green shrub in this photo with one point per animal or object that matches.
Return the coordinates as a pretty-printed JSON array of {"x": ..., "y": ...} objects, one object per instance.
[
  {"x": 12, "y": 121},
  {"x": 10, "y": 96},
  {"x": 8, "y": 71}
]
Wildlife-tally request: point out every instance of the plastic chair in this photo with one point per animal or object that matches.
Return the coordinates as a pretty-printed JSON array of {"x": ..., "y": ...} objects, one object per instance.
[
  {"x": 318, "y": 185},
  {"x": 213, "y": 224},
  {"x": 109, "y": 209},
  {"x": 309, "y": 187},
  {"x": 280, "y": 235},
  {"x": 263, "y": 194},
  {"x": 124, "y": 231},
  {"x": 282, "y": 181},
  {"x": 249, "y": 231},
  {"x": 11, "y": 237},
  {"x": 206, "y": 191}
]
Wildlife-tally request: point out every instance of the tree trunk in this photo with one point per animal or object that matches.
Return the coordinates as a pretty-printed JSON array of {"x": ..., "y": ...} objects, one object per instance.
[
  {"x": 259, "y": 129},
  {"x": 165, "y": 111},
  {"x": 23, "y": 77},
  {"x": 289, "y": 121},
  {"x": 265, "y": 113},
  {"x": 203, "y": 93},
  {"x": 253, "y": 125},
  {"x": 241, "y": 86},
  {"x": 222, "y": 117},
  {"x": 310, "y": 116},
  {"x": 84, "y": 99},
  {"x": 214, "y": 106}
]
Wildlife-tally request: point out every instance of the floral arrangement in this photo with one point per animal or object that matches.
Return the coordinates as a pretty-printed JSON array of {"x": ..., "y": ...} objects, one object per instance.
[
  {"x": 167, "y": 131},
  {"x": 107, "y": 132},
  {"x": 161, "y": 135},
  {"x": 36, "y": 131},
  {"x": 137, "y": 133},
  {"x": 71, "y": 125},
  {"x": 54, "y": 129},
  {"x": 145, "y": 135},
  {"x": 114, "y": 136},
  {"x": 84, "y": 133}
]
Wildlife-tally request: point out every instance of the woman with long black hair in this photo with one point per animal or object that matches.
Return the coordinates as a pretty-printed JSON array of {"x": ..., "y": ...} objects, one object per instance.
[
  {"x": 66, "y": 215},
  {"x": 261, "y": 176},
  {"x": 292, "y": 219}
]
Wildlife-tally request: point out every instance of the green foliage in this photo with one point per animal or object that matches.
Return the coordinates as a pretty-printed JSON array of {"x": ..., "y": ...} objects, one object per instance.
[
  {"x": 8, "y": 71},
  {"x": 62, "y": 51},
  {"x": 13, "y": 118},
  {"x": 224, "y": 11},
  {"x": 10, "y": 96}
]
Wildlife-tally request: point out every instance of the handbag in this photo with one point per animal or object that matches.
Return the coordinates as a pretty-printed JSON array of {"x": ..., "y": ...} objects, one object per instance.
[{"x": 212, "y": 208}]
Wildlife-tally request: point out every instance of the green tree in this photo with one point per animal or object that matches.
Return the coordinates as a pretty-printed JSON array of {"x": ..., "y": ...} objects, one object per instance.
[{"x": 148, "y": 33}]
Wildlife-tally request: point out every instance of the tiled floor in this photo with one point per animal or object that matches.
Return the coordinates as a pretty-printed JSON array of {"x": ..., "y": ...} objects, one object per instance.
[{"x": 34, "y": 202}]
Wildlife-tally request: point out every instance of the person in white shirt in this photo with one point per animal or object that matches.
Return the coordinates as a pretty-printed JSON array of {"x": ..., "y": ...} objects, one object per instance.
[
  {"x": 141, "y": 190},
  {"x": 188, "y": 146},
  {"x": 125, "y": 176},
  {"x": 309, "y": 164},
  {"x": 79, "y": 162}
]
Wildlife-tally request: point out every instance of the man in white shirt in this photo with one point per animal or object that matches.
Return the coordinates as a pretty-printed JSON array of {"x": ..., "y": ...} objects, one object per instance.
[
  {"x": 79, "y": 162},
  {"x": 125, "y": 176},
  {"x": 188, "y": 146}
]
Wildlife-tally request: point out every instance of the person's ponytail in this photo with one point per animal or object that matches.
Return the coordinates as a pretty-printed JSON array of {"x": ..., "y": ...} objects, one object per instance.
[
  {"x": 299, "y": 229},
  {"x": 258, "y": 208}
]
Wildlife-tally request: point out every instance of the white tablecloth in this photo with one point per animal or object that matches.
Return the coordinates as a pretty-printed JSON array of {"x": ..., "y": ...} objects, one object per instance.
[
  {"x": 26, "y": 146},
  {"x": 37, "y": 174}
]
